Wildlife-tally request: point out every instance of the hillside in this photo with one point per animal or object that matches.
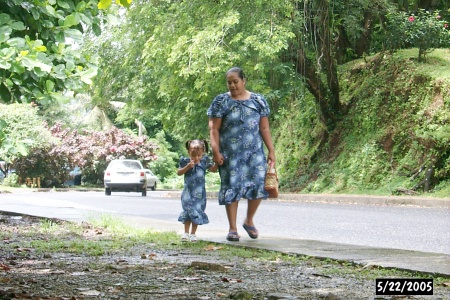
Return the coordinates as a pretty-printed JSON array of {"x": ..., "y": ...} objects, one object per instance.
[{"x": 394, "y": 137}]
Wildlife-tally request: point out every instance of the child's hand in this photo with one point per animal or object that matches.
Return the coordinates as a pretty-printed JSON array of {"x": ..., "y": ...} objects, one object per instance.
[{"x": 191, "y": 164}]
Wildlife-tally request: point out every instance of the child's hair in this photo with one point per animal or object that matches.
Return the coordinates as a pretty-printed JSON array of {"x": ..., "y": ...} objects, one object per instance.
[{"x": 199, "y": 144}]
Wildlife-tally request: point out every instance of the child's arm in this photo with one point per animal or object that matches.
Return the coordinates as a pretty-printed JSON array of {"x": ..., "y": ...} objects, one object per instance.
[{"x": 183, "y": 170}]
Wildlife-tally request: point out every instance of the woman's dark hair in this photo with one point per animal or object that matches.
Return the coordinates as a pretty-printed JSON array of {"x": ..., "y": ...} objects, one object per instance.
[{"x": 237, "y": 70}]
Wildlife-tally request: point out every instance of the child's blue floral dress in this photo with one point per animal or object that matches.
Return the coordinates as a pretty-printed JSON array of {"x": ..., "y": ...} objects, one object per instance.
[
  {"x": 243, "y": 172},
  {"x": 193, "y": 197}
]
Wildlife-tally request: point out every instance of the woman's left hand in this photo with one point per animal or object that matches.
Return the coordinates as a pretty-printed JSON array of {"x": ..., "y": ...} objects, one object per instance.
[{"x": 271, "y": 158}]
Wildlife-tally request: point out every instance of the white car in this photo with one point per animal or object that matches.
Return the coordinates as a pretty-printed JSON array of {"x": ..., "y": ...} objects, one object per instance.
[
  {"x": 151, "y": 179},
  {"x": 125, "y": 175}
]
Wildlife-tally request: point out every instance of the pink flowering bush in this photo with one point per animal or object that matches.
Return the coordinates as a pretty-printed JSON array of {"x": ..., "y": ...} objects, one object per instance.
[
  {"x": 89, "y": 150},
  {"x": 423, "y": 30},
  {"x": 427, "y": 31}
]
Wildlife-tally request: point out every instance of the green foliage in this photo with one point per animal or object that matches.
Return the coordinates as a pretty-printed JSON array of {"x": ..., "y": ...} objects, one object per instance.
[
  {"x": 39, "y": 48},
  {"x": 173, "y": 71},
  {"x": 165, "y": 165},
  {"x": 11, "y": 180},
  {"x": 23, "y": 129},
  {"x": 424, "y": 30},
  {"x": 396, "y": 128}
]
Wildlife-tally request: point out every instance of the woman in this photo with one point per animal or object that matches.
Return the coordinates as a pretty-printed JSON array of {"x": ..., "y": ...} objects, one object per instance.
[{"x": 239, "y": 124}]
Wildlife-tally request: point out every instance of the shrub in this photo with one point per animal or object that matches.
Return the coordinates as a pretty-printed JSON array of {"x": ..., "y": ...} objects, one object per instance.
[
  {"x": 423, "y": 30},
  {"x": 89, "y": 150},
  {"x": 11, "y": 180}
]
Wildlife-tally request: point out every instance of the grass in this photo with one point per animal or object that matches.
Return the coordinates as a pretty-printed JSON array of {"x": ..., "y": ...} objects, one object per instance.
[
  {"x": 436, "y": 65},
  {"x": 51, "y": 236}
]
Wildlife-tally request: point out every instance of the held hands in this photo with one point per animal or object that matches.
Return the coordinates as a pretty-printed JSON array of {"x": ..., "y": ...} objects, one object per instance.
[{"x": 218, "y": 158}]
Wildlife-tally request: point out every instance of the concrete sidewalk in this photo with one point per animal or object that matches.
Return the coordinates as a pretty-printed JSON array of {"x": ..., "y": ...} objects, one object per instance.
[{"x": 432, "y": 263}]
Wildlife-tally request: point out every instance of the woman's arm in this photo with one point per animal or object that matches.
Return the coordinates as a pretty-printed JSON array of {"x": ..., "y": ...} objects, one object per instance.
[
  {"x": 264, "y": 129},
  {"x": 214, "y": 136}
]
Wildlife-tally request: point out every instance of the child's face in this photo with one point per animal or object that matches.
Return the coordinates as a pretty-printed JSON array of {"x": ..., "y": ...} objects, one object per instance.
[{"x": 195, "y": 153}]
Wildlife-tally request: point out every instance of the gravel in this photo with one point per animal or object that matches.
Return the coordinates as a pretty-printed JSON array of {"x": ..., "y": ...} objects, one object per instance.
[{"x": 180, "y": 271}]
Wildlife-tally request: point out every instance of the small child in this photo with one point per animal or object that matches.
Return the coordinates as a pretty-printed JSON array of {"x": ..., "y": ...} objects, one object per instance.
[{"x": 193, "y": 197}]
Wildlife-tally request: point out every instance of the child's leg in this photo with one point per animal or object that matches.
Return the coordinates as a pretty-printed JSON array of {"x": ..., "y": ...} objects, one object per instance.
[
  {"x": 194, "y": 228},
  {"x": 187, "y": 225}
]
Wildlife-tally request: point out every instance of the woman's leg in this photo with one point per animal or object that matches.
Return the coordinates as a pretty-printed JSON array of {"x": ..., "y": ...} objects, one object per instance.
[
  {"x": 232, "y": 215},
  {"x": 251, "y": 210}
]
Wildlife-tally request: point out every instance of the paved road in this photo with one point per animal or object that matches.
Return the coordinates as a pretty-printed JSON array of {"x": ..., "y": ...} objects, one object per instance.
[{"x": 361, "y": 233}]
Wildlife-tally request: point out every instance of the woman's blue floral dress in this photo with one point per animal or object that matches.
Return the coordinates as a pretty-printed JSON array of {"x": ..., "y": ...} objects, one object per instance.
[
  {"x": 193, "y": 197},
  {"x": 244, "y": 169}
]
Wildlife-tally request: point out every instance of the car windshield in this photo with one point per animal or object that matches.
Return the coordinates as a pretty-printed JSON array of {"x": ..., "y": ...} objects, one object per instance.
[{"x": 125, "y": 164}]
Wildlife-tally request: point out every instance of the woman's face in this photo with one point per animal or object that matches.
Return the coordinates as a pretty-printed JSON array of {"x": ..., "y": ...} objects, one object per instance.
[{"x": 235, "y": 84}]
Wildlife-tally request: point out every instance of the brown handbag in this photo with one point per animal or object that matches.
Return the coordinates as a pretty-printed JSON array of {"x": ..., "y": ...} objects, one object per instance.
[{"x": 271, "y": 181}]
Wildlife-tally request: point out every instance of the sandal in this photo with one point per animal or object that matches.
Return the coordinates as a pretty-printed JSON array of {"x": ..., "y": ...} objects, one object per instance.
[
  {"x": 185, "y": 237},
  {"x": 233, "y": 236},
  {"x": 252, "y": 231}
]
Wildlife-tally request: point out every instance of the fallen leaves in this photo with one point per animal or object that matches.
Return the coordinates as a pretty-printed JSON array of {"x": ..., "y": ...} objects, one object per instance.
[
  {"x": 4, "y": 267},
  {"x": 24, "y": 249},
  {"x": 186, "y": 278},
  {"x": 211, "y": 247},
  {"x": 231, "y": 280},
  {"x": 86, "y": 292},
  {"x": 208, "y": 266},
  {"x": 150, "y": 256}
]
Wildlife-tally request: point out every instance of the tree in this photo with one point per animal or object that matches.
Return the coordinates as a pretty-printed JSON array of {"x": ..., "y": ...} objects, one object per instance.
[
  {"x": 290, "y": 50},
  {"x": 22, "y": 128},
  {"x": 40, "y": 60},
  {"x": 176, "y": 62}
]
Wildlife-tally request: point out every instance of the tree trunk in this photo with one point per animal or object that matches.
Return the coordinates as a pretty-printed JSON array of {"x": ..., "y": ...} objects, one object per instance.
[
  {"x": 315, "y": 86},
  {"x": 363, "y": 44},
  {"x": 342, "y": 44},
  {"x": 326, "y": 48},
  {"x": 428, "y": 178}
]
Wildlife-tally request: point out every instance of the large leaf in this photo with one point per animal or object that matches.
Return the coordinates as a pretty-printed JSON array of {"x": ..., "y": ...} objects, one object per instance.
[
  {"x": 86, "y": 76},
  {"x": 16, "y": 42},
  {"x": 32, "y": 63},
  {"x": 4, "y": 18},
  {"x": 104, "y": 4},
  {"x": 73, "y": 34},
  {"x": 72, "y": 20},
  {"x": 3, "y": 124},
  {"x": 5, "y": 94}
]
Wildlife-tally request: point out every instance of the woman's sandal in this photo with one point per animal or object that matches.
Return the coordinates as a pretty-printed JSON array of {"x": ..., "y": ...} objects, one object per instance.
[
  {"x": 252, "y": 231},
  {"x": 233, "y": 236}
]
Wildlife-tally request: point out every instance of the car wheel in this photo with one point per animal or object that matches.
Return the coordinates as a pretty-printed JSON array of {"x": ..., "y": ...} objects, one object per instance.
[
  {"x": 144, "y": 192},
  {"x": 107, "y": 191},
  {"x": 154, "y": 187}
]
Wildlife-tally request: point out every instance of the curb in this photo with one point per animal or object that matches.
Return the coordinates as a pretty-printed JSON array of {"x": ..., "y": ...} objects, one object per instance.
[{"x": 428, "y": 202}]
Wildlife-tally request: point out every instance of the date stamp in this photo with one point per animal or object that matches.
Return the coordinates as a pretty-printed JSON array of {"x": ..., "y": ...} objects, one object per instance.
[{"x": 404, "y": 286}]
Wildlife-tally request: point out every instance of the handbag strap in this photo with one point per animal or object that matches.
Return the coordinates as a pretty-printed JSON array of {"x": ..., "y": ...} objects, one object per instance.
[{"x": 271, "y": 166}]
